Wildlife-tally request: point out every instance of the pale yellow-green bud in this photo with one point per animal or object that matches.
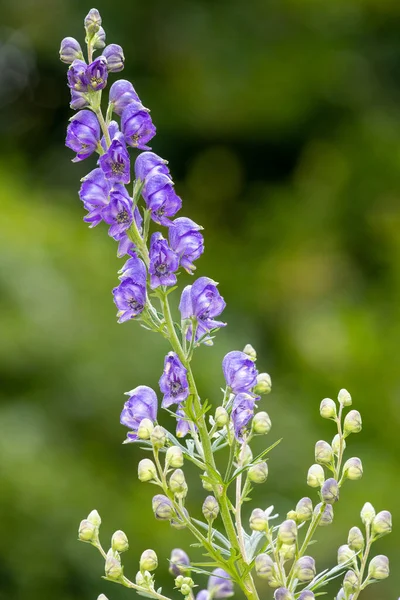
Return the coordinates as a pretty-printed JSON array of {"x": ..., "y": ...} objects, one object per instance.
[
  {"x": 94, "y": 518},
  {"x": 315, "y": 476},
  {"x": 287, "y": 551},
  {"x": 258, "y": 520},
  {"x": 258, "y": 473},
  {"x": 344, "y": 554},
  {"x": 146, "y": 470},
  {"x": 144, "y": 430},
  {"x": 185, "y": 589},
  {"x": 344, "y": 397},
  {"x": 119, "y": 541},
  {"x": 179, "y": 581},
  {"x": 304, "y": 510},
  {"x": 264, "y": 566},
  {"x": 174, "y": 457},
  {"x": 261, "y": 423},
  {"x": 336, "y": 444},
  {"x": 379, "y": 567},
  {"x": 292, "y": 515},
  {"x": 113, "y": 567},
  {"x": 249, "y": 350},
  {"x": 221, "y": 416},
  {"x": 287, "y": 532},
  {"x": 353, "y": 469},
  {"x": 323, "y": 453},
  {"x": 382, "y": 523},
  {"x": 148, "y": 561},
  {"x": 210, "y": 508},
  {"x": 305, "y": 569},
  {"x": 177, "y": 484},
  {"x": 140, "y": 579},
  {"x": 206, "y": 484},
  {"x": 350, "y": 582},
  {"x": 158, "y": 436},
  {"x": 327, "y": 409},
  {"x": 355, "y": 539},
  {"x": 367, "y": 513},
  {"x": 352, "y": 422},
  {"x": 247, "y": 456},
  {"x": 263, "y": 384},
  {"x": 87, "y": 531}
]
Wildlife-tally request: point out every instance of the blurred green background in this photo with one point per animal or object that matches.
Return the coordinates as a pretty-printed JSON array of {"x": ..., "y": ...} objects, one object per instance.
[{"x": 281, "y": 123}]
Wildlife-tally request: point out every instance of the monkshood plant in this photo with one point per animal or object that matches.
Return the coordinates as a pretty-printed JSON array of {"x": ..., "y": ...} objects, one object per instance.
[{"x": 273, "y": 550}]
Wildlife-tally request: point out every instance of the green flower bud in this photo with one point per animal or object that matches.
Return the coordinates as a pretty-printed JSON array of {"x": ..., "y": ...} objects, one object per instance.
[
  {"x": 177, "y": 484},
  {"x": 305, "y": 569},
  {"x": 353, "y": 469},
  {"x": 92, "y": 22},
  {"x": 379, "y": 567},
  {"x": 221, "y": 416},
  {"x": 119, "y": 541},
  {"x": 158, "y": 437},
  {"x": 327, "y": 409},
  {"x": 94, "y": 518},
  {"x": 148, "y": 561},
  {"x": 264, "y": 566},
  {"x": 210, "y": 509},
  {"x": 113, "y": 568},
  {"x": 287, "y": 532},
  {"x": 163, "y": 508},
  {"x": 145, "y": 428},
  {"x": 323, "y": 453},
  {"x": 147, "y": 470},
  {"x": 264, "y": 384},
  {"x": 287, "y": 551},
  {"x": 174, "y": 457},
  {"x": 367, "y": 513},
  {"x": 345, "y": 554},
  {"x": 336, "y": 444},
  {"x": 315, "y": 476},
  {"x": 355, "y": 539},
  {"x": 382, "y": 523},
  {"x": 352, "y": 422},
  {"x": 140, "y": 579},
  {"x": 304, "y": 510},
  {"x": 258, "y": 473},
  {"x": 87, "y": 531},
  {"x": 206, "y": 484},
  {"x": 261, "y": 423},
  {"x": 248, "y": 456},
  {"x": 185, "y": 589},
  {"x": 249, "y": 350},
  {"x": 330, "y": 491},
  {"x": 99, "y": 39},
  {"x": 292, "y": 515},
  {"x": 327, "y": 515},
  {"x": 258, "y": 520},
  {"x": 344, "y": 398},
  {"x": 350, "y": 582}
]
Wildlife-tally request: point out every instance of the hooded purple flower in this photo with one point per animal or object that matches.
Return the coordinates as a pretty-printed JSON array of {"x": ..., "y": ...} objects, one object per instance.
[
  {"x": 134, "y": 269},
  {"x": 161, "y": 199},
  {"x": 220, "y": 584},
  {"x": 179, "y": 563},
  {"x": 239, "y": 371},
  {"x": 163, "y": 262},
  {"x": 70, "y": 50},
  {"x": 118, "y": 213},
  {"x": 115, "y": 58},
  {"x": 79, "y": 100},
  {"x": 97, "y": 74},
  {"x": 182, "y": 424},
  {"x": 121, "y": 94},
  {"x": 115, "y": 162},
  {"x": 94, "y": 194},
  {"x": 113, "y": 129},
  {"x": 148, "y": 164},
  {"x": 137, "y": 126},
  {"x": 173, "y": 382},
  {"x": 76, "y": 75},
  {"x": 187, "y": 241},
  {"x": 142, "y": 404},
  {"x": 125, "y": 245},
  {"x": 242, "y": 412},
  {"x": 202, "y": 595},
  {"x": 83, "y": 134},
  {"x": 130, "y": 299},
  {"x": 202, "y": 301}
]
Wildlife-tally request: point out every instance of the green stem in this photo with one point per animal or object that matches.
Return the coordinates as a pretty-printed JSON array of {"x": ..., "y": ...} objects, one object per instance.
[{"x": 363, "y": 564}]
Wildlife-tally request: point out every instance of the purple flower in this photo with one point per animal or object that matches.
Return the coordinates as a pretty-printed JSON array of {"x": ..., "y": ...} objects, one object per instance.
[
  {"x": 115, "y": 58},
  {"x": 137, "y": 126},
  {"x": 179, "y": 563},
  {"x": 163, "y": 262},
  {"x": 79, "y": 100},
  {"x": 94, "y": 194},
  {"x": 83, "y": 134},
  {"x": 161, "y": 199},
  {"x": 202, "y": 301},
  {"x": 121, "y": 94},
  {"x": 76, "y": 76},
  {"x": 173, "y": 382},
  {"x": 187, "y": 241},
  {"x": 142, "y": 404},
  {"x": 134, "y": 269},
  {"x": 202, "y": 595},
  {"x": 113, "y": 129},
  {"x": 239, "y": 371},
  {"x": 97, "y": 74},
  {"x": 70, "y": 50},
  {"x": 242, "y": 412},
  {"x": 148, "y": 164},
  {"x": 182, "y": 424},
  {"x": 115, "y": 162},
  {"x": 220, "y": 584},
  {"x": 118, "y": 212},
  {"x": 130, "y": 299},
  {"x": 125, "y": 244}
]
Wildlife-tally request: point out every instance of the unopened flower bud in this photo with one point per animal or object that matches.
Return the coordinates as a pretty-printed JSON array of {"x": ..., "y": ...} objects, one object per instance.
[
  {"x": 158, "y": 436},
  {"x": 87, "y": 531},
  {"x": 258, "y": 520},
  {"x": 264, "y": 566},
  {"x": 345, "y": 554},
  {"x": 306, "y": 595},
  {"x": 178, "y": 581},
  {"x": 119, "y": 541},
  {"x": 352, "y": 422},
  {"x": 140, "y": 579},
  {"x": 115, "y": 58},
  {"x": 94, "y": 518},
  {"x": 264, "y": 384},
  {"x": 221, "y": 416},
  {"x": 344, "y": 398},
  {"x": 148, "y": 561},
  {"x": 355, "y": 539},
  {"x": 367, "y": 513},
  {"x": 327, "y": 515},
  {"x": 177, "y": 484},
  {"x": 382, "y": 523},
  {"x": 258, "y": 473},
  {"x": 177, "y": 522},
  {"x": 353, "y": 469},
  {"x": 163, "y": 508},
  {"x": 330, "y": 491},
  {"x": 247, "y": 456},
  {"x": 379, "y": 567},
  {"x": 315, "y": 476},
  {"x": 99, "y": 39},
  {"x": 146, "y": 470},
  {"x": 341, "y": 595},
  {"x": 287, "y": 532},
  {"x": 179, "y": 563},
  {"x": 350, "y": 582},
  {"x": 70, "y": 50},
  {"x": 249, "y": 350},
  {"x": 323, "y": 453},
  {"x": 261, "y": 423},
  {"x": 327, "y": 409},
  {"x": 305, "y": 569},
  {"x": 287, "y": 551},
  {"x": 145, "y": 428},
  {"x": 336, "y": 444},
  {"x": 304, "y": 510},
  {"x": 185, "y": 589},
  {"x": 210, "y": 509},
  {"x": 292, "y": 515},
  {"x": 206, "y": 484},
  {"x": 92, "y": 22},
  {"x": 283, "y": 594},
  {"x": 113, "y": 568},
  {"x": 174, "y": 457},
  {"x": 102, "y": 597}
]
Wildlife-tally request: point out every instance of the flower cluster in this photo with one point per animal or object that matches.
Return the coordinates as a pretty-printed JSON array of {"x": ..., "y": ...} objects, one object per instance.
[{"x": 153, "y": 262}]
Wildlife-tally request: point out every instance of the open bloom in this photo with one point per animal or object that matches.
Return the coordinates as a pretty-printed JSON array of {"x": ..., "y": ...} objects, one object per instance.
[
  {"x": 115, "y": 163},
  {"x": 130, "y": 299},
  {"x": 187, "y": 241},
  {"x": 173, "y": 382},
  {"x": 134, "y": 269},
  {"x": 239, "y": 371},
  {"x": 242, "y": 412},
  {"x": 137, "y": 126},
  {"x": 182, "y": 424},
  {"x": 94, "y": 193},
  {"x": 148, "y": 164},
  {"x": 118, "y": 213},
  {"x": 203, "y": 302},
  {"x": 142, "y": 404},
  {"x": 97, "y": 74},
  {"x": 220, "y": 584},
  {"x": 163, "y": 262},
  {"x": 76, "y": 75},
  {"x": 121, "y": 94},
  {"x": 83, "y": 134},
  {"x": 160, "y": 198}
]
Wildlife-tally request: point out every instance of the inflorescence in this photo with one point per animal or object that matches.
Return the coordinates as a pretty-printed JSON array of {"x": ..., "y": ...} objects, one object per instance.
[{"x": 276, "y": 552}]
